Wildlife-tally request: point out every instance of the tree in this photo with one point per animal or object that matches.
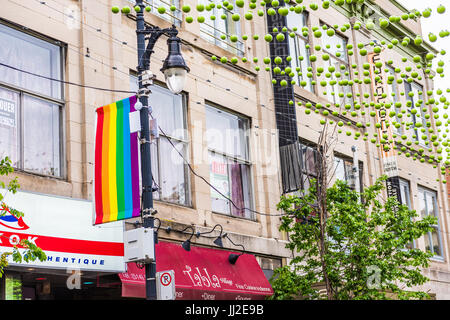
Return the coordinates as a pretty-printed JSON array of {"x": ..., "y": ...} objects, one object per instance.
[
  {"x": 30, "y": 252},
  {"x": 360, "y": 251}
]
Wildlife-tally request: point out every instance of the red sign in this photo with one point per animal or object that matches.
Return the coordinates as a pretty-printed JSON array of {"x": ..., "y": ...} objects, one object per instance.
[
  {"x": 166, "y": 279},
  {"x": 204, "y": 274}
]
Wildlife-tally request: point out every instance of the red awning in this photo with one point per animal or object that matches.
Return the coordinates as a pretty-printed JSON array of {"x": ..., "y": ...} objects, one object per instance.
[{"x": 202, "y": 274}]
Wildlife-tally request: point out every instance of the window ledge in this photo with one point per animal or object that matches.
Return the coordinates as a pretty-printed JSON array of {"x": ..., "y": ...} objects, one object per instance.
[{"x": 234, "y": 217}]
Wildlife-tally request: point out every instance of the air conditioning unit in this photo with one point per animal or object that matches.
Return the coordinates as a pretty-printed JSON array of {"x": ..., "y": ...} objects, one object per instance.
[{"x": 139, "y": 245}]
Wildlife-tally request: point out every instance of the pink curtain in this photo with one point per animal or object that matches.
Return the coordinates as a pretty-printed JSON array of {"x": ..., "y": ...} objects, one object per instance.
[{"x": 237, "y": 194}]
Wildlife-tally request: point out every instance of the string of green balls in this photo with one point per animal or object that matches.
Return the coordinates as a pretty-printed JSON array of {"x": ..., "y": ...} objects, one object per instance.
[{"x": 336, "y": 80}]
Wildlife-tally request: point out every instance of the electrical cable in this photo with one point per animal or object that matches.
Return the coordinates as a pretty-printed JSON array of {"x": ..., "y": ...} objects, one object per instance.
[
  {"x": 209, "y": 184},
  {"x": 63, "y": 81}
]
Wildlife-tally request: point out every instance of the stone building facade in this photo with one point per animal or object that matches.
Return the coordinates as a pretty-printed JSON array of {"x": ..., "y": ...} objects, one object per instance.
[{"x": 225, "y": 115}]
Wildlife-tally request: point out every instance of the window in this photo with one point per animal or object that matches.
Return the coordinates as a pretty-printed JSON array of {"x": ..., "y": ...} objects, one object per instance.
[
  {"x": 171, "y": 16},
  {"x": 344, "y": 171},
  {"x": 338, "y": 89},
  {"x": 230, "y": 169},
  {"x": 170, "y": 173},
  {"x": 221, "y": 29},
  {"x": 394, "y": 98},
  {"x": 418, "y": 115},
  {"x": 428, "y": 206},
  {"x": 31, "y": 107},
  {"x": 406, "y": 200},
  {"x": 298, "y": 50}
]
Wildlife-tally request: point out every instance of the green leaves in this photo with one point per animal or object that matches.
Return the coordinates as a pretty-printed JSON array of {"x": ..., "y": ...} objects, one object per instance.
[
  {"x": 25, "y": 251},
  {"x": 365, "y": 256}
]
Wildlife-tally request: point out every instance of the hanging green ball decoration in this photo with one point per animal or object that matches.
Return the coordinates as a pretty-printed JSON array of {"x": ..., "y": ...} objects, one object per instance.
[
  {"x": 268, "y": 37},
  {"x": 248, "y": 16},
  {"x": 126, "y": 10},
  {"x": 161, "y": 10},
  {"x": 115, "y": 9},
  {"x": 384, "y": 23},
  {"x": 370, "y": 25},
  {"x": 189, "y": 19},
  {"x": 278, "y": 60},
  {"x": 432, "y": 37}
]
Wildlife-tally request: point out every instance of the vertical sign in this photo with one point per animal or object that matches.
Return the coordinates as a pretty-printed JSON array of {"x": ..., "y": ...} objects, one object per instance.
[
  {"x": 388, "y": 155},
  {"x": 165, "y": 285}
]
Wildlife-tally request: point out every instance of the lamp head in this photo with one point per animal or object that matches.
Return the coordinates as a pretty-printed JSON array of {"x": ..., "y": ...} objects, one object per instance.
[
  {"x": 232, "y": 258},
  {"x": 186, "y": 245},
  {"x": 218, "y": 242},
  {"x": 174, "y": 67}
]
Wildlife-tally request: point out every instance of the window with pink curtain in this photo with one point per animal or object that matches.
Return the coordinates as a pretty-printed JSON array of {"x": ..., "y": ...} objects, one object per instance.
[{"x": 227, "y": 138}]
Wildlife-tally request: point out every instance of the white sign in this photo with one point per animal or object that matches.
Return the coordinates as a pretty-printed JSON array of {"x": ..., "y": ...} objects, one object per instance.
[
  {"x": 165, "y": 285},
  {"x": 7, "y": 113},
  {"x": 62, "y": 228}
]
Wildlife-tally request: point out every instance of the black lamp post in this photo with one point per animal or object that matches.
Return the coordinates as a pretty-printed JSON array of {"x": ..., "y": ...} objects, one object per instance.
[{"x": 175, "y": 70}]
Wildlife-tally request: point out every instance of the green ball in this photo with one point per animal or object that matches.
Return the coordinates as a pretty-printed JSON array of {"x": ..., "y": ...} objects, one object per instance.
[
  {"x": 280, "y": 37},
  {"x": 240, "y": 3},
  {"x": 115, "y": 9},
  {"x": 126, "y": 10},
  {"x": 161, "y": 10},
  {"x": 189, "y": 19},
  {"x": 278, "y": 60},
  {"x": 186, "y": 8},
  {"x": 236, "y": 17},
  {"x": 268, "y": 37}
]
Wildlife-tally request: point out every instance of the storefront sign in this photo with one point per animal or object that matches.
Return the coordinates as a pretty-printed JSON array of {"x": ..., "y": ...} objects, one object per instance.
[
  {"x": 200, "y": 274},
  {"x": 62, "y": 228}
]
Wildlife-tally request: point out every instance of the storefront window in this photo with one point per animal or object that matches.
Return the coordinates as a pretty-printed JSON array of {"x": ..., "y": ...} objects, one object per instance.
[{"x": 13, "y": 287}]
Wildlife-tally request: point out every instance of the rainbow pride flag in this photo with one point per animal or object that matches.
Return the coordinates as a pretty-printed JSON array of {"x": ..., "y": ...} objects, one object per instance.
[{"x": 116, "y": 167}]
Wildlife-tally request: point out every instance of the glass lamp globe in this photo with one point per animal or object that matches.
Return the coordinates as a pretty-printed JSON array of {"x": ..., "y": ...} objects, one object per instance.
[
  {"x": 175, "y": 79},
  {"x": 174, "y": 67}
]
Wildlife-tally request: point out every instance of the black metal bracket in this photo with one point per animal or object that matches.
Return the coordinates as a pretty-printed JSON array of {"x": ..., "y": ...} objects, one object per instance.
[{"x": 153, "y": 33}]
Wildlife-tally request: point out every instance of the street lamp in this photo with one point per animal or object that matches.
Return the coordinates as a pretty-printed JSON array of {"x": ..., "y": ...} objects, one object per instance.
[
  {"x": 174, "y": 67},
  {"x": 175, "y": 70}
]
